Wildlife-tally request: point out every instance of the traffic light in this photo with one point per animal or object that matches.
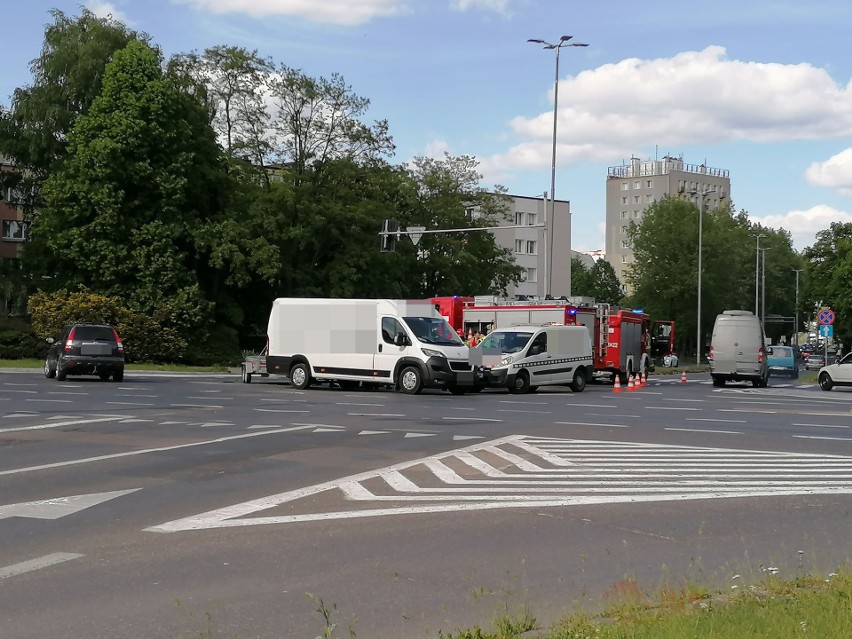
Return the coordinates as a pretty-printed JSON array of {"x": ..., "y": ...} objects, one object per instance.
[{"x": 389, "y": 236}]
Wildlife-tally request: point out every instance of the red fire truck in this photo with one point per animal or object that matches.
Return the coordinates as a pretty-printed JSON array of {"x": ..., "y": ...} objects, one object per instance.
[
  {"x": 452, "y": 308},
  {"x": 624, "y": 341}
]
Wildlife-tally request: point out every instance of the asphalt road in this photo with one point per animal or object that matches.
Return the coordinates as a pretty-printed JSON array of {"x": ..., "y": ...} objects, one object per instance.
[{"x": 168, "y": 506}]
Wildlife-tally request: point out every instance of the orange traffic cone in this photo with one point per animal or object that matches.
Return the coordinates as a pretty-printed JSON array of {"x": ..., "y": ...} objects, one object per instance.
[
  {"x": 630, "y": 386},
  {"x": 644, "y": 381},
  {"x": 683, "y": 378},
  {"x": 616, "y": 388}
]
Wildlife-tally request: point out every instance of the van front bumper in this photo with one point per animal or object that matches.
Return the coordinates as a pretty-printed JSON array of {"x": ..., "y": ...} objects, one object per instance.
[{"x": 442, "y": 373}]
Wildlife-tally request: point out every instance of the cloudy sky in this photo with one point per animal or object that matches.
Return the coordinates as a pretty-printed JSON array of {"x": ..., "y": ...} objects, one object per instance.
[{"x": 762, "y": 88}]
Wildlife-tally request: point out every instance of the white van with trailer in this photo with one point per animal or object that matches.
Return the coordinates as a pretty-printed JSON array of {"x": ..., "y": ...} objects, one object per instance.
[
  {"x": 403, "y": 343},
  {"x": 522, "y": 358}
]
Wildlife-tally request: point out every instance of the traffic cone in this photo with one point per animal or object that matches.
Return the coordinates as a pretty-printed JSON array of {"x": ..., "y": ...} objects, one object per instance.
[
  {"x": 630, "y": 387},
  {"x": 683, "y": 378},
  {"x": 616, "y": 388},
  {"x": 644, "y": 381}
]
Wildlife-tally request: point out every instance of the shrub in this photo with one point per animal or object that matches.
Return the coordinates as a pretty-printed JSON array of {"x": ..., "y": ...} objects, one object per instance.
[{"x": 18, "y": 341}]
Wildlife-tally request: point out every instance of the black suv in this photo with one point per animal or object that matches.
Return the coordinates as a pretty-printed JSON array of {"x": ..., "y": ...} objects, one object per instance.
[{"x": 85, "y": 349}]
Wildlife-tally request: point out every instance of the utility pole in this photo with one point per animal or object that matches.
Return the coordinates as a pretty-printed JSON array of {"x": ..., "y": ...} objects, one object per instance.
[{"x": 796, "y": 332}]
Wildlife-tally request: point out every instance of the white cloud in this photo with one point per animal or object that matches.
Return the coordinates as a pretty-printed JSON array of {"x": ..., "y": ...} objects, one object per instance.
[
  {"x": 104, "y": 9},
  {"x": 834, "y": 173},
  {"x": 497, "y": 6},
  {"x": 804, "y": 225},
  {"x": 436, "y": 149},
  {"x": 692, "y": 98},
  {"x": 342, "y": 12}
]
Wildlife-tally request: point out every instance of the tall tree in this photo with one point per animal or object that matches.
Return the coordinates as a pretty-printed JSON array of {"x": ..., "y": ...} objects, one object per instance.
[
  {"x": 828, "y": 272},
  {"x": 581, "y": 278},
  {"x": 605, "y": 285},
  {"x": 143, "y": 176}
]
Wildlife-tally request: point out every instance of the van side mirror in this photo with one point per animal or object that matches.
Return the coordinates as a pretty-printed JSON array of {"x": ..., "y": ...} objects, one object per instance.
[
  {"x": 49, "y": 340},
  {"x": 400, "y": 339},
  {"x": 769, "y": 350}
]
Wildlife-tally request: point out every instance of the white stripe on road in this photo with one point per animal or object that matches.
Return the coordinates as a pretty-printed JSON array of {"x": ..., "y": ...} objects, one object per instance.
[
  {"x": 145, "y": 451},
  {"x": 37, "y": 564},
  {"x": 472, "y": 419},
  {"x": 715, "y": 420},
  {"x": 591, "y": 424},
  {"x": 823, "y": 425},
  {"x": 705, "y": 430},
  {"x": 114, "y": 418},
  {"x": 280, "y": 410}
]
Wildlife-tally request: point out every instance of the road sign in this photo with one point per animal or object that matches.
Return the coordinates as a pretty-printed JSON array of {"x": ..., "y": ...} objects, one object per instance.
[
  {"x": 826, "y": 317},
  {"x": 826, "y": 330},
  {"x": 415, "y": 233}
]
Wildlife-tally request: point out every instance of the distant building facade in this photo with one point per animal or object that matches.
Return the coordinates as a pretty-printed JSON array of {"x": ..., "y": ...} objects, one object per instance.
[{"x": 633, "y": 187}]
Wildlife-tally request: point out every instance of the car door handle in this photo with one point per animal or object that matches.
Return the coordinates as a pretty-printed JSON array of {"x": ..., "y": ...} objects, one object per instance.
[{"x": 380, "y": 348}]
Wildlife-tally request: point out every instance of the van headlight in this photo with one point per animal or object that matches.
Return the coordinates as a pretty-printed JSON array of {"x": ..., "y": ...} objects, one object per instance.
[
  {"x": 429, "y": 352},
  {"x": 506, "y": 360}
]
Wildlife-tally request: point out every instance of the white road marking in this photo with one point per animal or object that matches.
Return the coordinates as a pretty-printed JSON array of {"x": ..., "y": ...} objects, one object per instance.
[
  {"x": 823, "y": 425},
  {"x": 525, "y": 412},
  {"x": 358, "y": 404},
  {"x": 196, "y": 406},
  {"x": 671, "y": 408},
  {"x": 528, "y": 472},
  {"x": 594, "y": 405},
  {"x": 280, "y": 410},
  {"x": 705, "y": 430},
  {"x": 741, "y": 410},
  {"x": 218, "y": 397},
  {"x": 15, "y": 390},
  {"x": 54, "y": 401},
  {"x": 135, "y": 421},
  {"x": 375, "y": 414},
  {"x": 37, "y": 564},
  {"x": 837, "y": 439},
  {"x": 128, "y": 404},
  {"x": 458, "y": 438},
  {"x": 680, "y": 399},
  {"x": 517, "y": 401},
  {"x": 319, "y": 425},
  {"x": 713, "y": 419},
  {"x": 326, "y": 430},
  {"x": 592, "y": 424},
  {"x": 472, "y": 419},
  {"x": 12, "y": 416},
  {"x": 114, "y": 418},
  {"x": 374, "y": 432},
  {"x": 59, "y": 506},
  {"x": 134, "y": 395},
  {"x": 612, "y": 415},
  {"x": 145, "y": 451},
  {"x": 410, "y": 435}
]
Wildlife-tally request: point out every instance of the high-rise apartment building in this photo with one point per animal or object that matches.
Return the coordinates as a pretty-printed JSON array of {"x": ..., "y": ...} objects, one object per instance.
[{"x": 631, "y": 188}]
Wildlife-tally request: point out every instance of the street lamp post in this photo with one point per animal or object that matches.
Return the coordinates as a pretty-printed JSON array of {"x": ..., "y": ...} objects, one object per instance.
[
  {"x": 796, "y": 331},
  {"x": 757, "y": 273},
  {"x": 763, "y": 291},
  {"x": 563, "y": 42},
  {"x": 701, "y": 195}
]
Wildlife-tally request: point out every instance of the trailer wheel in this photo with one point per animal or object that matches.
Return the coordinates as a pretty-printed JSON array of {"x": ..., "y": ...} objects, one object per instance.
[
  {"x": 246, "y": 376},
  {"x": 579, "y": 383},
  {"x": 300, "y": 376},
  {"x": 521, "y": 384},
  {"x": 410, "y": 380}
]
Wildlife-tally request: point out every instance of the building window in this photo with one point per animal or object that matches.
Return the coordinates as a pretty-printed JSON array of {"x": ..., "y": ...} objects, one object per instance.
[
  {"x": 636, "y": 184},
  {"x": 531, "y": 247},
  {"x": 472, "y": 212},
  {"x": 624, "y": 215},
  {"x": 649, "y": 183},
  {"x": 519, "y": 247},
  {"x": 624, "y": 200},
  {"x": 532, "y": 275},
  {"x": 624, "y": 230},
  {"x": 624, "y": 259},
  {"x": 531, "y": 219},
  {"x": 625, "y": 244},
  {"x": 624, "y": 186},
  {"x": 519, "y": 219},
  {"x": 635, "y": 199},
  {"x": 649, "y": 198},
  {"x": 636, "y": 214},
  {"x": 15, "y": 230}
]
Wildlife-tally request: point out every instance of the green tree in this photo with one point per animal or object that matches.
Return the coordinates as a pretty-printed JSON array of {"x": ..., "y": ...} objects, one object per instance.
[
  {"x": 828, "y": 271},
  {"x": 67, "y": 77},
  {"x": 142, "y": 180},
  {"x": 581, "y": 279},
  {"x": 605, "y": 285}
]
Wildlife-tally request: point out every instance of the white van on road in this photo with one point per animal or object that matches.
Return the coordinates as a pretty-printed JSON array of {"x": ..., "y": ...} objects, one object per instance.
[
  {"x": 404, "y": 343},
  {"x": 737, "y": 352},
  {"x": 522, "y": 358}
]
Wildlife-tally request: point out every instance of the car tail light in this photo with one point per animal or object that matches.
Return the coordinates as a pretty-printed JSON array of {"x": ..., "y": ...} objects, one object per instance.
[
  {"x": 710, "y": 355},
  {"x": 760, "y": 355},
  {"x": 70, "y": 340},
  {"x": 118, "y": 342}
]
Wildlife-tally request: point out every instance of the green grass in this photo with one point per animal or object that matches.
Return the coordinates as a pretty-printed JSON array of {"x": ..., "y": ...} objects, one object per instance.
[{"x": 176, "y": 368}]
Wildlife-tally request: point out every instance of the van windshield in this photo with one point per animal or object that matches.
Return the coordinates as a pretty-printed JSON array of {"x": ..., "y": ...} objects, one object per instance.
[
  {"x": 433, "y": 330},
  {"x": 506, "y": 341}
]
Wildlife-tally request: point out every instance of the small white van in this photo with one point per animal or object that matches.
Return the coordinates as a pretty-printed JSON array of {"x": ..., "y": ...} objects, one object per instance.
[
  {"x": 737, "y": 350},
  {"x": 522, "y": 358},
  {"x": 404, "y": 343}
]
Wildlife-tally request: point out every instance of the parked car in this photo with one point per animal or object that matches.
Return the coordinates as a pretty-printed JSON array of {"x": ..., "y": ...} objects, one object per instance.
[
  {"x": 783, "y": 360},
  {"x": 85, "y": 349},
  {"x": 839, "y": 374},
  {"x": 815, "y": 362}
]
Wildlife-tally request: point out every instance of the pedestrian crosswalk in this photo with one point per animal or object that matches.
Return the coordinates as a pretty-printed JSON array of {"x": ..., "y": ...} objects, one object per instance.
[{"x": 536, "y": 472}]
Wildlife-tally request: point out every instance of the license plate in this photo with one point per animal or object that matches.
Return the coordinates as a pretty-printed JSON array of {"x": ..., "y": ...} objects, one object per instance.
[{"x": 96, "y": 349}]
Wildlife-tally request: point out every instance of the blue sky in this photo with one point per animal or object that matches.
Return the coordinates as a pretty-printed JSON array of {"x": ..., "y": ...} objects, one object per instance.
[{"x": 759, "y": 87}]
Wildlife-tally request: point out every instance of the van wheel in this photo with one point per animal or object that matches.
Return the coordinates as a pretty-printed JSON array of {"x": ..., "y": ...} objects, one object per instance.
[
  {"x": 245, "y": 375},
  {"x": 104, "y": 376},
  {"x": 457, "y": 390},
  {"x": 118, "y": 376},
  {"x": 719, "y": 382},
  {"x": 300, "y": 376},
  {"x": 521, "y": 384},
  {"x": 410, "y": 380},
  {"x": 825, "y": 382},
  {"x": 49, "y": 372},
  {"x": 60, "y": 373},
  {"x": 579, "y": 383}
]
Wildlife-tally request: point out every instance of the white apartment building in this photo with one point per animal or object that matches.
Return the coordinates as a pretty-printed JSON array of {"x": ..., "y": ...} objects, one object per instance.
[{"x": 631, "y": 188}]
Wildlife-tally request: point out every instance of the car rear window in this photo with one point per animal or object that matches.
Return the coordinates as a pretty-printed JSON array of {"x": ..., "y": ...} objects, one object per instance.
[
  {"x": 99, "y": 333},
  {"x": 781, "y": 351}
]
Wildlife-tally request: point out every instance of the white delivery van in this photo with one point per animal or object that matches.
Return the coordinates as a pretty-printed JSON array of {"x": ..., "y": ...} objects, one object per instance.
[
  {"x": 737, "y": 352},
  {"x": 522, "y": 358},
  {"x": 404, "y": 343}
]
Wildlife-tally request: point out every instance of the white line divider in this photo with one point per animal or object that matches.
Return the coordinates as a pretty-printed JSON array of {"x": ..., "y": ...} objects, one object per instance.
[
  {"x": 74, "y": 422},
  {"x": 59, "y": 506},
  {"x": 37, "y": 564}
]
